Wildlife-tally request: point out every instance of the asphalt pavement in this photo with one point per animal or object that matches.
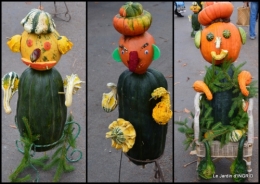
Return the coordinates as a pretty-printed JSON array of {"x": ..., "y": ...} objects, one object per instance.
[
  {"x": 189, "y": 66},
  {"x": 103, "y": 160},
  {"x": 72, "y": 62}
]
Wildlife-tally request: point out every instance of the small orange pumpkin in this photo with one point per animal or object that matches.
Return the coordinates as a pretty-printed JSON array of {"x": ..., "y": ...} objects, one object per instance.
[
  {"x": 228, "y": 48},
  {"x": 136, "y": 52}
]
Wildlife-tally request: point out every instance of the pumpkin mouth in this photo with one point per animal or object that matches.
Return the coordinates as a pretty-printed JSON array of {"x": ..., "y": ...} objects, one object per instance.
[
  {"x": 39, "y": 65},
  {"x": 220, "y": 56},
  {"x": 133, "y": 61}
]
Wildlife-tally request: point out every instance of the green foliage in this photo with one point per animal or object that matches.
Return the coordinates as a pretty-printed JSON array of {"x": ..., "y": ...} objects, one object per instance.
[
  {"x": 59, "y": 157},
  {"x": 188, "y": 131},
  {"x": 27, "y": 140}
]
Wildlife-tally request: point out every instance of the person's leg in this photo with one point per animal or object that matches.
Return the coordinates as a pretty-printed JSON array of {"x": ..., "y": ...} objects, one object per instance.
[
  {"x": 253, "y": 15},
  {"x": 176, "y": 12}
]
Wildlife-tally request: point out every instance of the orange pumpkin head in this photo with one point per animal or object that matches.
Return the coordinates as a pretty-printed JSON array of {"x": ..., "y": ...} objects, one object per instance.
[
  {"x": 220, "y": 41},
  {"x": 137, "y": 52}
]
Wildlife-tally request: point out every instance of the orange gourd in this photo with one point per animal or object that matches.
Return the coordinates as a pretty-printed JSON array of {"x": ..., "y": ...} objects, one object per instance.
[
  {"x": 136, "y": 52},
  {"x": 210, "y": 13},
  {"x": 244, "y": 79},
  {"x": 201, "y": 87}
]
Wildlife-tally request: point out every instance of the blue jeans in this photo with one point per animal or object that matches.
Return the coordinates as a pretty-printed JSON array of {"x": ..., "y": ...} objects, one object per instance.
[{"x": 253, "y": 15}]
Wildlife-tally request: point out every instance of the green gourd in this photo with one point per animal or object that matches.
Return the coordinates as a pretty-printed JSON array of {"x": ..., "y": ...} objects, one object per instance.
[
  {"x": 206, "y": 168},
  {"x": 238, "y": 168},
  {"x": 40, "y": 103},
  {"x": 135, "y": 105}
]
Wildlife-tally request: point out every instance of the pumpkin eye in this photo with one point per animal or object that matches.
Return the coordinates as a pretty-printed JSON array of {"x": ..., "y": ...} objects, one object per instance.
[
  {"x": 122, "y": 51},
  {"x": 146, "y": 51},
  {"x": 47, "y": 45},
  {"x": 29, "y": 42},
  {"x": 210, "y": 36},
  {"x": 226, "y": 33}
]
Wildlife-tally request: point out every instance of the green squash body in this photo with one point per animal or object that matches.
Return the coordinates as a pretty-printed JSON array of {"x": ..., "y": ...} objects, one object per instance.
[
  {"x": 135, "y": 106},
  {"x": 194, "y": 22},
  {"x": 222, "y": 102},
  {"x": 40, "y": 103}
]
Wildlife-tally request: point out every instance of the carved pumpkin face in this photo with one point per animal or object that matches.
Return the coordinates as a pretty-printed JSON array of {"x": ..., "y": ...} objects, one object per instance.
[
  {"x": 220, "y": 41},
  {"x": 137, "y": 52},
  {"x": 40, "y": 52}
]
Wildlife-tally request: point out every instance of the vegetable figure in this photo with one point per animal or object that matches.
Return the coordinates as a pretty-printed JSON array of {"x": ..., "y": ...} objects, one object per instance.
[
  {"x": 195, "y": 8},
  {"x": 219, "y": 43},
  {"x": 141, "y": 92},
  {"x": 206, "y": 168},
  {"x": 40, "y": 44},
  {"x": 42, "y": 103},
  {"x": 238, "y": 168}
]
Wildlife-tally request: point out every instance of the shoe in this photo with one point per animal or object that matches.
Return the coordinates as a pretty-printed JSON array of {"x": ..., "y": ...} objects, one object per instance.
[
  {"x": 178, "y": 14},
  {"x": 252, "y": 37}
]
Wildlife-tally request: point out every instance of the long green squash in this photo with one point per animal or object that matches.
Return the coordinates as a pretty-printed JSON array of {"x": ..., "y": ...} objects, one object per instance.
[
  {"x": 40, "y": 103},
  {"x": 135, "y": 106}
]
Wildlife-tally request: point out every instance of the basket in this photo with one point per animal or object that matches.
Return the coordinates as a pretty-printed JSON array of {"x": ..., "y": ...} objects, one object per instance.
[{"x": 227, "y": 151}]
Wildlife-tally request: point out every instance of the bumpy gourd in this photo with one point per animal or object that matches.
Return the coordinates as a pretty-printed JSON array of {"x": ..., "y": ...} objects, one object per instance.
[{"x": 122, "y": 134}]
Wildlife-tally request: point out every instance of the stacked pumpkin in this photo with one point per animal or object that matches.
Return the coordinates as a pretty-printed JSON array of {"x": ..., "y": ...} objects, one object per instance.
[
  {"x": 41, "y": 98},
  {"x": 144, "y": 102}
]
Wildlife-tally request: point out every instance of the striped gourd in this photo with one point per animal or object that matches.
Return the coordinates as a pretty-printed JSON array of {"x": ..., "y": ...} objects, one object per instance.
[
  {"x": 131, "y": 9},
  {"x": 38, "y": 22},
  {"x": 132, "y": 22},
  {"x": 236, "y": 135}
]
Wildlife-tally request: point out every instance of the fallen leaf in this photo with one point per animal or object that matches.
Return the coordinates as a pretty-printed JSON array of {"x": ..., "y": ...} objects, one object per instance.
[
  {"x": 113, "y": 43},
  {"x": 12, "y": 126},
  {"x": 177, "y": 111},
  {"x": 184, "y": 64},
  {"x": 186, "y": 110},
  {"x": 179, "y": 61},
  {"x": 188, "y": 78},
  {"x": 170, "y": 76},
  {"x": 176, "y": 83}
]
